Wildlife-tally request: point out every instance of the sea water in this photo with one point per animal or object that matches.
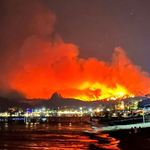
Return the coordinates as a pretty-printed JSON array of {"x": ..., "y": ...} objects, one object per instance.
[{"x": 35, "y": 136}]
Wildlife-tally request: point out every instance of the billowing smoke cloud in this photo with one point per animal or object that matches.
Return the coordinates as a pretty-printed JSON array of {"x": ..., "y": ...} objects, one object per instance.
[
  {"x": 19, "y": 21},
  {"x": 36, "y": 62}
]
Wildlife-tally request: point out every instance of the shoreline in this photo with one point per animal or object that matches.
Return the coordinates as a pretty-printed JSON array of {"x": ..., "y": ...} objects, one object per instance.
[
  {"x": 125, "y": 127},
  {"x": 136, "y": 141}
]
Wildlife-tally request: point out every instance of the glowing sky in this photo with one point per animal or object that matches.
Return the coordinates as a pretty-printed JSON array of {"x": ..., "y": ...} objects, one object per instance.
[{"x": 61, "y": 46}]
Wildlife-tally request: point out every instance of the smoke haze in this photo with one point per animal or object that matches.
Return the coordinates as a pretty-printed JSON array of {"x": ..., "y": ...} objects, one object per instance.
[{"x": 35, "y": 62}]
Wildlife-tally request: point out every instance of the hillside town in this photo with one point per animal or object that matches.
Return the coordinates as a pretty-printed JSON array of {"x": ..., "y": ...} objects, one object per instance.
[{"x": 137, "y": 110}]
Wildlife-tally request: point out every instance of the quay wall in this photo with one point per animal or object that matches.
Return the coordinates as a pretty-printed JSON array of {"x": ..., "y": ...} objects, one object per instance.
[
  {"x": 68, "y": 119},
  {"x": 45, "y": 119}
]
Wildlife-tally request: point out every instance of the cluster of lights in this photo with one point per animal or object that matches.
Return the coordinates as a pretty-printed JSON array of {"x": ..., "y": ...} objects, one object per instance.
[
  {"x": 47, "y": 112},
  {"x": 69, "y": 112},
  {"x": 5, "y": 114}
]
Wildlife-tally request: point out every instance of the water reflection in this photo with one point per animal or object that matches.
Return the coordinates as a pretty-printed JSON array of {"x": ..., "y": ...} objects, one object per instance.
[
  {"x": 113, "y": 143},
  {"x": 57, "y": 137},
  {"x": 6, "y": 125}
]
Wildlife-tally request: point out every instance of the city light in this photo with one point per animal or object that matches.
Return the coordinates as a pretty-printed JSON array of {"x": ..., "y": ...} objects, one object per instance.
[
  {"x": 98, "y": 110},
  {"x": 120, "y": 108},
  {"x": 90, "y": 109}
]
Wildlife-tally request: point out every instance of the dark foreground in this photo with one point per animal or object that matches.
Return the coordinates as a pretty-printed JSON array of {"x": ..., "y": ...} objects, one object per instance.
[{"x": 137, "y": 141}]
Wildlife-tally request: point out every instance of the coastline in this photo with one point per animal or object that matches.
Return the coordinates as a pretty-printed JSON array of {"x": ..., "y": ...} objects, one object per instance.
[
  {"x": 125, "y": 127},
  {"x": 136, "y": 141}
]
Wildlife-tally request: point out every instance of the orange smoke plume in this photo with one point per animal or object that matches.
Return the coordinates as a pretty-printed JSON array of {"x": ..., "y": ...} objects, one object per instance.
[
  {"x": 49, "y": 68},
  {"x": 44, "y": 64}
]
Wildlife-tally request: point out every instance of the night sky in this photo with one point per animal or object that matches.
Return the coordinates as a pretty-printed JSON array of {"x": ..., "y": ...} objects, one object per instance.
[{"x": 98, "y": 26}]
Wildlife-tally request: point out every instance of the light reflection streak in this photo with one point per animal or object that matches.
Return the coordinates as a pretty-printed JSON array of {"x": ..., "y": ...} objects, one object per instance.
[
  {"x": 113, "y": 145},
  {"x": 48, "y": 137}
]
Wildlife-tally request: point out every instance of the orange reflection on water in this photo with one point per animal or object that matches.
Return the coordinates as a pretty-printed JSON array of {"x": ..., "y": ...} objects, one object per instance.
[
  {"x": 67, "y": 137},
  {"x": 113, "y": 145}
]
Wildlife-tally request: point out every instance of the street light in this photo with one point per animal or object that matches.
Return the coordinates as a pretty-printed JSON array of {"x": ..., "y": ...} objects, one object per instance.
[
  {"x": 143, "y": 115},
  {"x": 98, "y": 110},
  {"x": 90, "y": 109}
]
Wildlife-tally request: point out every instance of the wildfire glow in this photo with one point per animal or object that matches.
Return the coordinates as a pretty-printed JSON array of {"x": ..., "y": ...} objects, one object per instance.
[
  {"x": 58, "y": 69},
  {"x": 39, "y": 63}
]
